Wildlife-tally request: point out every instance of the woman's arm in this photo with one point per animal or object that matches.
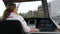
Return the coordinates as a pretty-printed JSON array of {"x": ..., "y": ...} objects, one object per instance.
[
  {"x": 26, "y": 28},
  {"x": 34, "y": 30}
]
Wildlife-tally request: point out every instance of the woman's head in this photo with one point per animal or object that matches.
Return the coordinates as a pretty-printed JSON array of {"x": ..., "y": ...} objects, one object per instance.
[{"x": 10, "y": 8}]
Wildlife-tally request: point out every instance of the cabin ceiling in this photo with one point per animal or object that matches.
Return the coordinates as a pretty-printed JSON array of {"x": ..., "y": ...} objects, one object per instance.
[
  {"x": 20, "y": 0},
  {"x": 8, "y": 1}
]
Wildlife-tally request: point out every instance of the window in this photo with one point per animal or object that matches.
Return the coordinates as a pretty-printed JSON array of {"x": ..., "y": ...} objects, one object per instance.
[
  {"x": 31, "y": 9},
  {"x": 2, "y": 8},
  {"x": 54, "y": 11}
]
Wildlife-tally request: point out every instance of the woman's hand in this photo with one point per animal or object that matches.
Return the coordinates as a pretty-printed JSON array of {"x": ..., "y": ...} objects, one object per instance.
[{"x": 34, "y": 30}]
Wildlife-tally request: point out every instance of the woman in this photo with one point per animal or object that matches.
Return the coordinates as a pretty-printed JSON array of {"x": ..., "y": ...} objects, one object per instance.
[{"x": 11, "y": 14}]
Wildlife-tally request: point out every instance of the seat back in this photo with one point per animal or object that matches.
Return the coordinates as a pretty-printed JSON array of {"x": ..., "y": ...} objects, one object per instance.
[{"x": 11, "y": 27}]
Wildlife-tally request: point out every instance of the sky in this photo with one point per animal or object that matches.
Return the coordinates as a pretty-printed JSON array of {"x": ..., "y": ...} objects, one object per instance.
[
  {"x": 24, "y": 6},
  {"x": 2, "y": 7}
]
